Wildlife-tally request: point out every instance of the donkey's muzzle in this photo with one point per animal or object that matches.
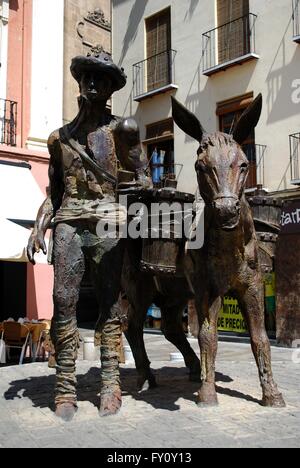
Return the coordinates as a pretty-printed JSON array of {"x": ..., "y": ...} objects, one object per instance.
[{"x": 227, "y": 212}]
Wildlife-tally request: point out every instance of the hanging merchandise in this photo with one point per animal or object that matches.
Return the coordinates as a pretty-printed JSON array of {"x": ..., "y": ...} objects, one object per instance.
[
  {"x": 161, "y": 160},
  {"x": 155, "y": 170}
]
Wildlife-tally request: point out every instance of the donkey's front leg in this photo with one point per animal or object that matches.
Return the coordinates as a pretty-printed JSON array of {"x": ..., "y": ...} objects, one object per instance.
[
  {"x": 252, "y": 304},
  {"x": 208, "y": 311}
]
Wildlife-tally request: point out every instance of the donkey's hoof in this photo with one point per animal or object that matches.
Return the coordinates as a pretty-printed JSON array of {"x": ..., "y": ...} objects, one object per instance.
[
  {"x": 110, "y": 403},
  {"x": 66, "y": 411},
  {"x": 274, "y": 401},
  {"x": 146, "y": 383},
  {"x": 207, "y": 396}
]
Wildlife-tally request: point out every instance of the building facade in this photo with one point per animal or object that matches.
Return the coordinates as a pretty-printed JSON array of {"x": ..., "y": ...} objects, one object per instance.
[
  {"x": 37, "y": 95},
  {"x": 87, "y": 25},
  {"x": 215, "y": 56}
]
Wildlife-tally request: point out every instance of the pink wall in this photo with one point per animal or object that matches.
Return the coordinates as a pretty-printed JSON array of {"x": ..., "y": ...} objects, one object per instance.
[
  {"x": 19, "y": 63},
  {"x": 39, "y": 291},
  {"x": 40, "y": 277}
]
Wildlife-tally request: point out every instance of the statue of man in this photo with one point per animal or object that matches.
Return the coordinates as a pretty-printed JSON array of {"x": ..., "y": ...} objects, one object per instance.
[{"x": 85, "y": 157}]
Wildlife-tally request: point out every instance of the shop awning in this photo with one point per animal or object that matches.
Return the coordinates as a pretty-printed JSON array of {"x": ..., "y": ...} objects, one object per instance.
[
  {"x": 13, "y": 243},
  {"x": 20, "y": 195}
]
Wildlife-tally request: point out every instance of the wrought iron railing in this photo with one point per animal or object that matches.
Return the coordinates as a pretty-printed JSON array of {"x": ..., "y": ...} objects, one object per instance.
[
  {"x": 229, "y": 42},
  {"x": 8, "y": 122},
  {"x": 256, "y": 158},
  {"x": 165, "y": 172},
  {"x": 154, "y": 73},
  {"x": 296, "y": 19},
  {"x": 295, "y": 155}
]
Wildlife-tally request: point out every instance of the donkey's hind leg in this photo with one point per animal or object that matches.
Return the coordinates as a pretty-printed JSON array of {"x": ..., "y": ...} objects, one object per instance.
[
  {"x": 135, "y": 338},
  {"x": 252, "y": 304},
  {"x": 173, "y": 331}
]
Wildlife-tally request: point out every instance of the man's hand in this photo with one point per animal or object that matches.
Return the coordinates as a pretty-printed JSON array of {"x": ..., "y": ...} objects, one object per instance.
[{"x": 36, "y": 243}]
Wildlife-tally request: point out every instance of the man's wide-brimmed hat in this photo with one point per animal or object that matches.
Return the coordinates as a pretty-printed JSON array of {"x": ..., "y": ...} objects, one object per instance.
[{"x": 99, "y": 63}]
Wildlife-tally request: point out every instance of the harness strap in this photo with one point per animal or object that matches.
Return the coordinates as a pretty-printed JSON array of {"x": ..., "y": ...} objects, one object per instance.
[
  {"x": 78, "y": 148},
  {"x": 224, "y": 197}
]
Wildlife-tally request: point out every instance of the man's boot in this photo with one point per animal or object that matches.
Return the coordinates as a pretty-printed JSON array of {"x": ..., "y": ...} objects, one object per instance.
[{"x": 65, "y": 337}]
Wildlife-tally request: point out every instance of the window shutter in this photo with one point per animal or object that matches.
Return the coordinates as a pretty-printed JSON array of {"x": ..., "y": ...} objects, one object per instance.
[
  {"x": 158, "y": 33},
  {"x": 233, "y": 37}
]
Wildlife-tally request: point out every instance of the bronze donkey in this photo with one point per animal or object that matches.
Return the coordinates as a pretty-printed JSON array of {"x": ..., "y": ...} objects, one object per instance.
[
  {"x": 228, "y": 260},
  {"x": 171, "y": 295}
]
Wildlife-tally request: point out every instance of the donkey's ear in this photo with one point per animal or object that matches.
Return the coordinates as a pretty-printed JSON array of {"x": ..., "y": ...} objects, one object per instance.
[
  {"x": 187, "y": 121},
  {"x": 248, "y": 120}
]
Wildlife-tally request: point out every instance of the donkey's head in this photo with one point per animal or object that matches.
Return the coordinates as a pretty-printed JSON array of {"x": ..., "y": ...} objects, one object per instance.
[{"x": 222, "y": 167}]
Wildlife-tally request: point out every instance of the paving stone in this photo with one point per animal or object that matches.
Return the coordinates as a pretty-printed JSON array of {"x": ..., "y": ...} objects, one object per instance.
[{"x": 166, "y": 417}]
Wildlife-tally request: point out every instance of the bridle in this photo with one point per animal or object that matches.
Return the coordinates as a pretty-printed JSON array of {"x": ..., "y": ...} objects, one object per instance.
[{"x": 226, "y": 197}]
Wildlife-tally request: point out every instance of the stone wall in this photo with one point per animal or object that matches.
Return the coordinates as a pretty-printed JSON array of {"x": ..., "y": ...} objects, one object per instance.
[{"x": 84, "y": 28}]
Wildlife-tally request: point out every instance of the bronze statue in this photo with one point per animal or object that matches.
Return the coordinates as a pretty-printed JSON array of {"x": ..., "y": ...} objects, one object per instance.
[
  {"x": 85, "y": 157},
  {"x": 229, "y": 259},
  {"x": 171, "y": 295}
]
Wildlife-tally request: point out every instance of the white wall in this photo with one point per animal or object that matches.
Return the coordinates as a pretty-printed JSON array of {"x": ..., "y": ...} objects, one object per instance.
[
  {"x": 47, "y": 70},
  {"x": 273, "y": 75}
]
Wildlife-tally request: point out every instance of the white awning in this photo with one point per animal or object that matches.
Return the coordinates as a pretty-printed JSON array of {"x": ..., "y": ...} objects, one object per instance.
[
  {"x": 13, "y": 243},
  {"x": 20, "y": 195}
]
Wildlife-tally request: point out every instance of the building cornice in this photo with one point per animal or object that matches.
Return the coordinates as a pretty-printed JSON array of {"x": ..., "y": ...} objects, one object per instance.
[{"x": 22, "y": 154}]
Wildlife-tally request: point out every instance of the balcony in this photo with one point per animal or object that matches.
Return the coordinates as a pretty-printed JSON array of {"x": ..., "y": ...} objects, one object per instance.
[
  {"x": 296, "y": 20},
  {"x": 8, "y": 122},
  {"x": 230, "y": 44},
  {"x": 153, "y": 76},
  {"x": 295, "y": 154},
  {"x": 256, "y": 158}
]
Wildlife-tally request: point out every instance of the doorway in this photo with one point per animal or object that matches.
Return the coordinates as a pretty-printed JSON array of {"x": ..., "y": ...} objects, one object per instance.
[
  {"x": 161, "y": 155},
  {"x": 13, "y": 284}
]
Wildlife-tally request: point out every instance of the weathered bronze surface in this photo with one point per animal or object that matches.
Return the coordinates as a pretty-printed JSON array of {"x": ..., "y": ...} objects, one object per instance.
[
  {"x": 266, "y": 212},
  {"x": 164, "y": 246},
  {"x": 85, "y": 159},
  {"x": 229, "y": 260},
  {"x": 153, "y": 274}
]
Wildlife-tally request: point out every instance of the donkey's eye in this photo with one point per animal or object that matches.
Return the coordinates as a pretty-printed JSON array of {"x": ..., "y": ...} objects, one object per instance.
[{"x": 244, "y": 167}]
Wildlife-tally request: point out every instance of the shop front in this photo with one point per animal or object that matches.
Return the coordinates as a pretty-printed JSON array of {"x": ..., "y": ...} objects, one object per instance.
[{"x": 288, "y": 275}]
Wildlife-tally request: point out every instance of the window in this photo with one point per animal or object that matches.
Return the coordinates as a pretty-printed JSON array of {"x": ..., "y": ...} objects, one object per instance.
[
  {"x": 160, "y": 150},
  {"x": 159, "y": 57},
  {"x": 233, "y": 35},
  {"x": 296, "y": 20},
  {"x": 295, "y": 158},
  {"x": 229, "y": 112}
]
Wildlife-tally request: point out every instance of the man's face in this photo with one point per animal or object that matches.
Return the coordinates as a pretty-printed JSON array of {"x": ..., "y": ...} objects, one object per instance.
[{"x": 96, "y": 87}]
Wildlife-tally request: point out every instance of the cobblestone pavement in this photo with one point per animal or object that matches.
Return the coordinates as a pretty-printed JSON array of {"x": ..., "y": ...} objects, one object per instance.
[{"x": 166, "y": 417}]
